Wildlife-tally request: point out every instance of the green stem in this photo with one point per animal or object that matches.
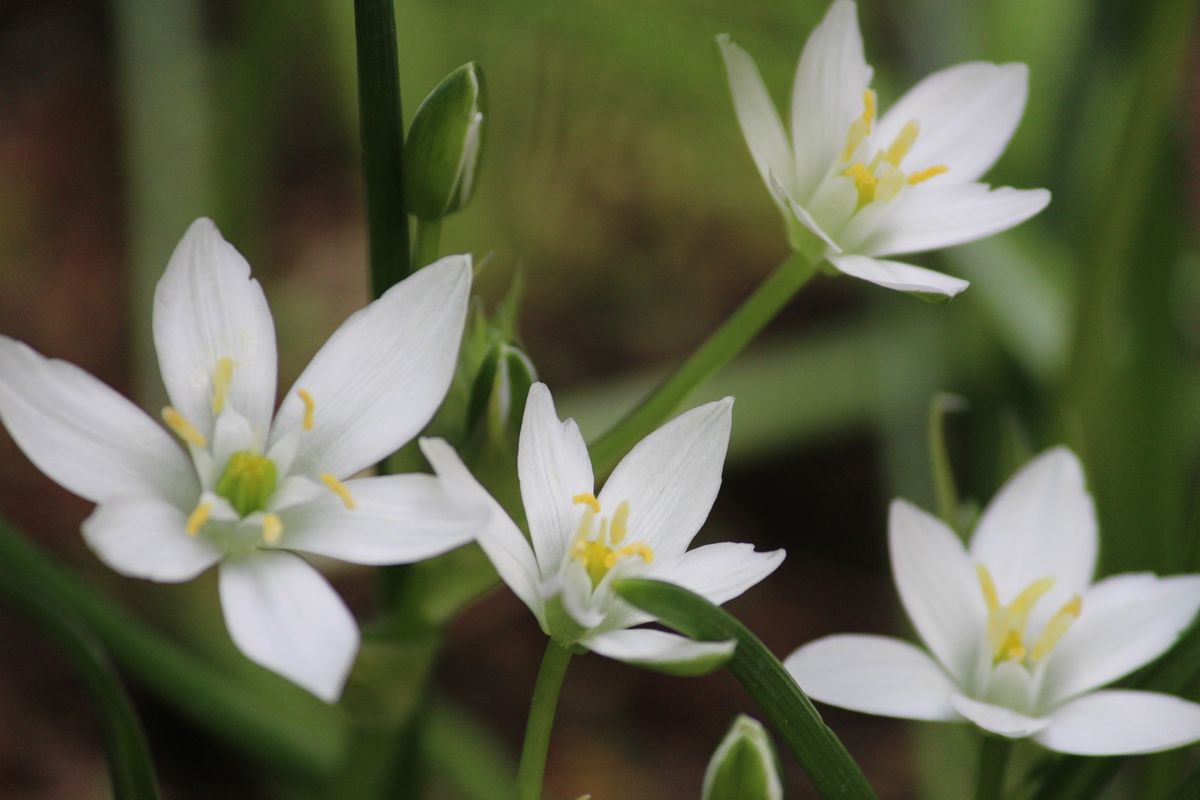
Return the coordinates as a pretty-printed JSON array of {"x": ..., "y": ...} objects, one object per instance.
[
  {"x": 939, "y": 458},
  {"x": 717, "y": 351},
  {"x": 541, "y": 719},
  {"x": 425, "y": 248},
  {"x": 382, "y": 132},
  {"x": 993, "y": 762}
]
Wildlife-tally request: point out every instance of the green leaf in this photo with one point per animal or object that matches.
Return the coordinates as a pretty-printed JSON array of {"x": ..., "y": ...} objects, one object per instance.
[{"x": 816, "y": 747}]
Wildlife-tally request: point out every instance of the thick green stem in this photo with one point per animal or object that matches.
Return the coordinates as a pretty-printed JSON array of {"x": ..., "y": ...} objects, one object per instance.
[
  {"x": 541, "y": 720},
  {"x": 720, "y": 348},
  {"x": 993, "y": 763},
  {"x": 425, "y": 248},
  {"x": 382, "y": 130}
]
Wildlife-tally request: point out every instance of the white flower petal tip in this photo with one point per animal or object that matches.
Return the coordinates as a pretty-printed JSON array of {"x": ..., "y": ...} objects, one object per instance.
[
  {"x": 718, "y": 572},
  {"x": 1122, "y": 722},
  {"x": 998, "y": 719},
  {"x": 756, "y": 113},
  {"x": 661, "y": 651},
  {"x": 924, "y": 283}
]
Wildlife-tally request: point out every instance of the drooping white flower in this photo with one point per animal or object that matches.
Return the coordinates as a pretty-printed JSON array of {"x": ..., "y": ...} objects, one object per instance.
[
  {"x": 1021, "y": 639},
  {"x": 855, "y": 186},
  {"x": 244, "y": 489},
  {"x": 639, "y": 525}
]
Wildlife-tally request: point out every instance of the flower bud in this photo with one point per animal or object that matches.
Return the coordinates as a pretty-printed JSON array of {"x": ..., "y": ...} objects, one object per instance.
[
  {"x": 498, "y": 398},
  {"x": 743, "y": 767},
  {"x": 441, "y": 154}
]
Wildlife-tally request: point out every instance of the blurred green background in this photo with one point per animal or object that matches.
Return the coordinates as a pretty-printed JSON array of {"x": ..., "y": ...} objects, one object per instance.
[{"x": 615, "y": 178}]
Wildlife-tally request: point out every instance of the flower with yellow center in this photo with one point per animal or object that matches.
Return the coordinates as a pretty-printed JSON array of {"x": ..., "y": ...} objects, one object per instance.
[
  {"x": 227, "y": 481},
  {"x": 1020, "y": 640},
  {"x": 854, "y": 185},
  {"x": 640, "y": 524}
]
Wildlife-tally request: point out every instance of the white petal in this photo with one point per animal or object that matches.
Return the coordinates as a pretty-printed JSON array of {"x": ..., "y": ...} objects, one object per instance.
[
  {"x": 756, "y": 114},
  {"x": 554, "y": 467},
  {"x": 504, "y": 544},
  {"x": 86, "y": 436},
  {"x": 1120, "y": 722},
  {"x": 396, "y": 519},
  {"x": 719, "y": 572},
  {"x": 967, "y": 115},
  {"x": 231, "y": 434},
  {"x": 672, "y": 477},
  {"x": 930, "y": 217},
  {"x": 1127, "y": 621},
  {"x": 899, "y": 276},
  {"x": 207, "y": 307},
  {"x": 573, "y": 587},
  {"x": 938, "y": 587},
  {"x": 147, "y": 538},
  {"x": 828, "y": 94},
  {"x": 284, "y": 616},
  {"x": 660, "y": 650},
  {"x": 382, "y": 374},
  {"x": 1041, "y": 523},
  {"x": 997, "y": 719},
  {"x": 809, "y": 222},
  {"x": 874, "y": 675}
]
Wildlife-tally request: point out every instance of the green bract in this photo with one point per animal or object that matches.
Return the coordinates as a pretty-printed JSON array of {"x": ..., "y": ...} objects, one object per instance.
[{"x": 441, "y": 154}]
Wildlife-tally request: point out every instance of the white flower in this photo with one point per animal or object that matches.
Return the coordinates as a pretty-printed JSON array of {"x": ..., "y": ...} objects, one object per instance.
[
  {"x": 639, "y": 525},
  {"x": 854, "y": 188},
  {"x": 1021, "y": 638},
  {"x": 246, "y": 490}
]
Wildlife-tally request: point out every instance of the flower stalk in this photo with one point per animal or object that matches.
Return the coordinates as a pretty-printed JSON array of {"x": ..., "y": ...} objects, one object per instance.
[
  {"x": 541, "y": 720},
  {"x": 994, "y": 752}
]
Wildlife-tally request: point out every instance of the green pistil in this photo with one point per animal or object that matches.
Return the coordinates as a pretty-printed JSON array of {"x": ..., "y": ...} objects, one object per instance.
[{"x": 247, "y": 482}]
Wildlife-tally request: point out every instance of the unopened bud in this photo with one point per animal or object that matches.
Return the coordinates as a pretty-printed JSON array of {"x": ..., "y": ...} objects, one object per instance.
[
  {"x": 441, "y": 154},
  {"x": 743, "y": 766}
]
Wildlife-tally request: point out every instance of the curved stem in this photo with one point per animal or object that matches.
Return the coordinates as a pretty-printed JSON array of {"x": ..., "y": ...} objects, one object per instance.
[
  {"x": 541, "y": 720},
  {"x": 718, "y": 350},
  {"x": 425, "y": 245},
  {"x": 993, "y": 761}
]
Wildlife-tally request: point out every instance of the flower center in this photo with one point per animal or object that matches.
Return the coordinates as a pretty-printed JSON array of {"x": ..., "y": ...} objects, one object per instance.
[
  {"x": 1006, "y": 624},
  {"x": 247, "y": 482},
  {"x": 881, "y": 178},
  {"x": 597, "y": 543}
]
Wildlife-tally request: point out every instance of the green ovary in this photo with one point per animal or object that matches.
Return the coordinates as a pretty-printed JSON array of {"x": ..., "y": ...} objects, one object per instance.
[{"x": 247, "y": 482}]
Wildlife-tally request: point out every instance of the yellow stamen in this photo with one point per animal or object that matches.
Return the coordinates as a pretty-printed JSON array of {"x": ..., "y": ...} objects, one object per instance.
[
  {"x": 889, "y": 185},
  {"x": 858, "y": 131},
  {"x": 620, "y": 521},
  {"x": 198, "y": 517},
  {"x": 182, "y": 428},
  {"x": 272, "y": 528},
  {"x": 1012, "y": 648},
  {"x": 1028, "y": 598},
  {"x": 903, "y": 142},
  {"x": 988, "y": 586},
  {"x": 922, "y": 175},
  {"x": 1006, "y": 624},
  {"x": 635, "y": 549},
  {"x": 310, "y": 408},
  {"x": 868, "y": 115},
  {"x": 222, "y": 377},
  {"x": 587, "y": 499},
  {"x": 338, "y": 488},
  {"x": 864, "y": 182},
  {"x": 1057, "y": 627}
]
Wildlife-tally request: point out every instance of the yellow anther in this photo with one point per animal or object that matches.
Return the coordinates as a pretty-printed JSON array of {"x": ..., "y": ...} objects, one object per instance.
[
  {"x": 182, "y": 428},
  {"x": 1027, "y": 599},
  {"x": 1012, "y": 648},
  {"x": 587, "y": 499},
  {"x": 988, "y": 586},
  {"x": 198, "y": 517},
  {"x": 635, "y": 549},
  {"x": 902, "y": 143},
  {"x": 620, "y": 520},
  {"x": 338, "y": 488},
  {"x": 310, "y": 408},
  {"x": 889, "y": 185},
  {"x": 868, "y": 115},
  {"x": 864, "y": 182},
  {"x": 1057, "y": 627},
  {"x": 922, "y": 175},
  {"x": 272, "y": 528},
  {"x": 858, "y": 131},
  {"x": 222, "y": 377}
]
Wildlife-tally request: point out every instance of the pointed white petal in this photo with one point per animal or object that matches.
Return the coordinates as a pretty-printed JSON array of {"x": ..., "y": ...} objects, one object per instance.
[
  {"x": 938, "y": 587},
  {"x": 899, "y": 276},
  {"x": 874, "y": 675},
  {"x": 1041, "y": 523},
  {"x": 284, "y": 616},
  {"x": 671, "y": 478},
  {"x": 231, "y": 434},
  {"x": 86, "y": 436},
  {"x": 756, "y": 114},
  {"x": 554, "y": 467},
  {"x": 967, "y": 115},
  {"x": 1113, "y": 723},
  {"x": 504, "y": 544},
  {"x": 930, "y": 217},
  {"x": 1126, "y": 622},
  {"x": 396, "y": 519},
  {"x": 573, "y": 587},
  {"x": 997, "y": 719},
  {"x": 719, "y": 572},
  {"x": 382, "y": 374},
  {"x": 294, "y": 490},
  {"x": 662, "y": 651},
  {"x": 831, "y": 78},
  {"x": 147, "y": 538},
  {"x": 207, "y": 307}
]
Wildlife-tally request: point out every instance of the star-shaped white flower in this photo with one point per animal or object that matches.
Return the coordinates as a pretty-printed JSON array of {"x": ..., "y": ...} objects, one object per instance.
[
  {"x": 855, "y": 186},
  {"x": 233, "y": 485},
  {"x": 639, "y": 525},
  {"x": 1021, "y": 639}
]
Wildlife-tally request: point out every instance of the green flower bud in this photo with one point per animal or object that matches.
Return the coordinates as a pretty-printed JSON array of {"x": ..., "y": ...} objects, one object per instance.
[
  {"x": 743, "y": 767},
  {"x": 498, "y": 398},
  {"x": 441, "y": 154}
]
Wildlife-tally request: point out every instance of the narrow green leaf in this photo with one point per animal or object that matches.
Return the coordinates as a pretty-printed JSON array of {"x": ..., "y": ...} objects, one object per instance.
[
  {"x": 939, "y": 459},
  {"x": 832, "y": 770}
]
